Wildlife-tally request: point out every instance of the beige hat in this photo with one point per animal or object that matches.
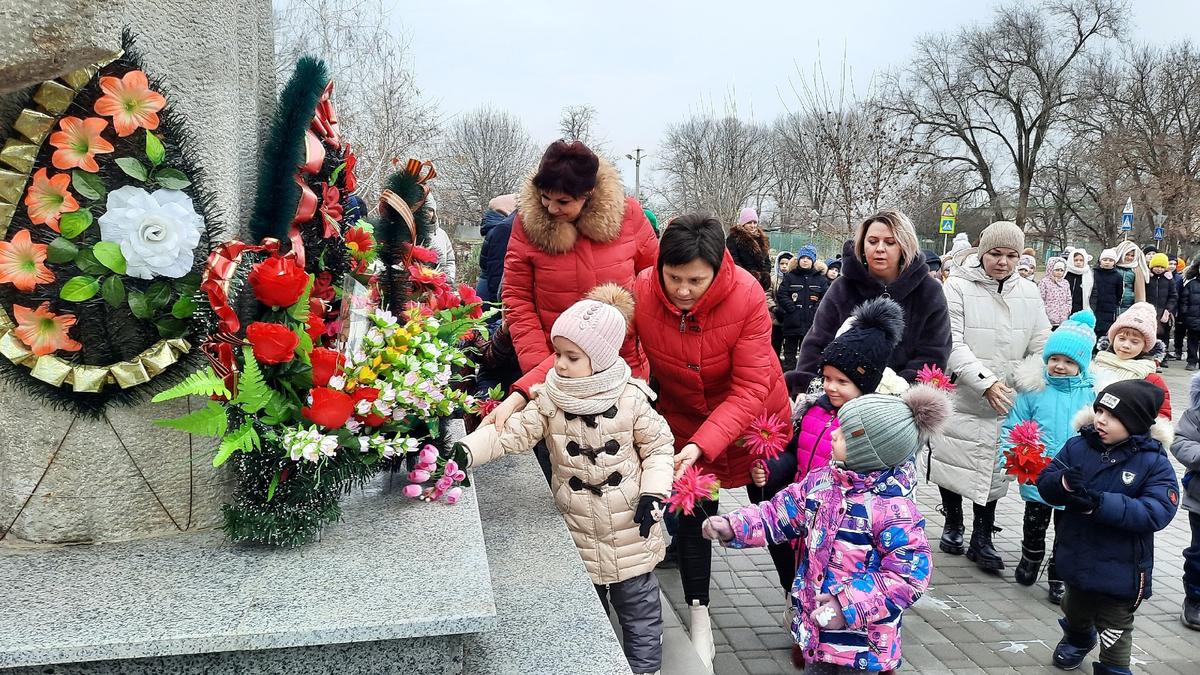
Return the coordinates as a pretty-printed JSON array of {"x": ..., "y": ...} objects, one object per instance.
[
  {"x": 505, "y": 204},
  {"x": 1002, "y": 234}
]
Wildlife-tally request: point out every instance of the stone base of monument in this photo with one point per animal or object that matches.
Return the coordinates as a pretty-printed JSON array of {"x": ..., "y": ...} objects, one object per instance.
[{"x": 398, "y": 587}]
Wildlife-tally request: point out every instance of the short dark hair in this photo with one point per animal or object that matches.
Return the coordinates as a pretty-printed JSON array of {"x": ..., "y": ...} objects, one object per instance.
[
  {"x": 690, "y": 237},
  {"x": 567, "y": 167}
]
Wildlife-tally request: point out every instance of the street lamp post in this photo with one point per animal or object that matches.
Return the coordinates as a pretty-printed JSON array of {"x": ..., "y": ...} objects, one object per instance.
[{"x": 637, "y": 171}]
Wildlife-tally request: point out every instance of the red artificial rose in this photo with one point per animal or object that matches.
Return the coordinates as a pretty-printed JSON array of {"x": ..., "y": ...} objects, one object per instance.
[
  {"x": 368, "y": 394},
  {"x": 278, "y": 281},
  {"x": 329, "y": 408},
  {"x": 315, "y": 327},
  {"x": 350, "y": 180},
  {"x": 272, "y": 342},
  {"x": 325, "y": 364},
  {"x": 323, "y": 287}
]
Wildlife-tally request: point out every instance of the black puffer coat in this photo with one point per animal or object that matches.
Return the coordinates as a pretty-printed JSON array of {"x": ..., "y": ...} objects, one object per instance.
[
  {"x": 1107, "y": 289},
  {"x": 796, "y": 300},
  {"x": 1189, "y": 299},
  {"x": 1160, "y": 292}
]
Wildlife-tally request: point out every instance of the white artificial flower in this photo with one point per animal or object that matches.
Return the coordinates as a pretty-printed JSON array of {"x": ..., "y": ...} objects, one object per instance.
[
  {"x": 329, "y": 446},
  {"x": 157, "y": 232},
  {"x": 364, "y": 444},
  {"x": 337, "y": 382},
  {"x": 311, "y": 452}
]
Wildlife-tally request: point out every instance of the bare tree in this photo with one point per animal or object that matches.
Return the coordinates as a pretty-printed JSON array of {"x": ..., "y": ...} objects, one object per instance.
[
  {"x": 484, "y": 153},
  {"x": 714, "y": 165},
  {"x": 989, "y": 97},
  {"x": 380, "y": 106}
]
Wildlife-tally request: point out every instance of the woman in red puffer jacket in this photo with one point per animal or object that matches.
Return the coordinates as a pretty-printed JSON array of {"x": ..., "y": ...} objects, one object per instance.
[
  {"x": 575, "y": 230},
  {"x": 704, "y": 324}
]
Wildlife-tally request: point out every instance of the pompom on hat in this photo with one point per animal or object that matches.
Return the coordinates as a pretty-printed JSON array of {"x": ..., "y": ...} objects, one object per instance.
[
  {"x": 865, "y": 342},
  {"x": 882, "y": 431},
  {"x": 1074, "y": 339},
  {"x": 597, "y": 324}
]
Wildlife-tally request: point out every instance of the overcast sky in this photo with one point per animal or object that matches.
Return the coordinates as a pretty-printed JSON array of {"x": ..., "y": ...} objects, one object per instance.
[{"x": 646, "y": 64}]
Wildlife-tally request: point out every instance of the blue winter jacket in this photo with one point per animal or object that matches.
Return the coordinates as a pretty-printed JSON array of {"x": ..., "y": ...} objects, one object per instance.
[
  {"x": 495, "y": 230},
  {"x": 1052, "y": 406},
  {"x": 1111, "y": 550}
]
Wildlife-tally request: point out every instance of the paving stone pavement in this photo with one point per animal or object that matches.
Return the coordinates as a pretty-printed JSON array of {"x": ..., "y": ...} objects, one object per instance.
[{"x": 968, "y": 621}]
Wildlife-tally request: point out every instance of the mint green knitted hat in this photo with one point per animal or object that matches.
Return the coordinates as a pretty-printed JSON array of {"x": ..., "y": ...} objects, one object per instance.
[{"x": 883, "y": 431}]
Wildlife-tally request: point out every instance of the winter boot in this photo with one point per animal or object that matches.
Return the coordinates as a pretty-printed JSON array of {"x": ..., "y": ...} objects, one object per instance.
[
  {"x": 1191, "y": 613},
  {"x": 952, "y": 533},
  {"x": 701, "y": 631},
  {"x": 981, "y": 552},
  {"x": 1105, "y": 669},
  {"x": 1030, "y": 566},
  {"x": 1073, "y": 648},
  {"x": 1057, "y": 587}
]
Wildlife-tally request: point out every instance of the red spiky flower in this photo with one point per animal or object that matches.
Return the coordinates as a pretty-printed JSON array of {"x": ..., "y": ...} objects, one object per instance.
[
  {"x": 691, "y": 487},
  {"x": 1027, "y": 457}
]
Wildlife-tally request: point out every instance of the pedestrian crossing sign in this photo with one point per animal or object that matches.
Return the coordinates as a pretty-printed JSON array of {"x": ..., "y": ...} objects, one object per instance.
[{"x": 949, "y": 217}]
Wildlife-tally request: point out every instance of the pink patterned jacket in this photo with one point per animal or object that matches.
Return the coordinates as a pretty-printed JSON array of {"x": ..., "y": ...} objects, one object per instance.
[{"x": 865, "y": 544}]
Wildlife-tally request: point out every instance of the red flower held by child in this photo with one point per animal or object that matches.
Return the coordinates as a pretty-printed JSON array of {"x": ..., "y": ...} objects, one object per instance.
[
  {"x": 692, "y": 487},
  {"x": 766, "y": 436}
]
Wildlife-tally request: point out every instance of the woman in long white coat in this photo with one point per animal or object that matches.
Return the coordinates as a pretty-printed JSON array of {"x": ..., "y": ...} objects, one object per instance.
[{"x": 997, "y": 319}]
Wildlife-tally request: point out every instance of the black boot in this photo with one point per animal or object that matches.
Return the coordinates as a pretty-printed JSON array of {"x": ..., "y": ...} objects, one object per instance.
[
  {"x": 1057, "y": 587},
  {"x": 1073, "y": 648},
  {"x": 981, "y": 552},
  {"x": 1105, "y": 669},
  {"x": 1030, "y": 566},
  {"x": 952, "y": 533},
  {"x": 1191, "y": 613}
]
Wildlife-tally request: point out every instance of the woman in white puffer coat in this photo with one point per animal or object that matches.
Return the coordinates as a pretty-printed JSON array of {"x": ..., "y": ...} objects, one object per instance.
[{"x": 997, "y": 319}]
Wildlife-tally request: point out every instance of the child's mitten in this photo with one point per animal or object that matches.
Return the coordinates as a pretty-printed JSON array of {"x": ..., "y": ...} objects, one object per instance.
[
  {"x": 649, "y": 511},
  {"x": 717, "y": 528},
  {"x": 828, "y": 613}
]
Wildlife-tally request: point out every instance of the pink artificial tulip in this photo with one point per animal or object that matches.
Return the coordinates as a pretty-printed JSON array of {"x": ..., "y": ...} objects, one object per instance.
[
  {"x": 418, "y": 476},
  {"x": 453, "y": 495},
  {"x": 444, "y": 483},
  {"x": 412, "y": 490},
  {"x": 429, "y": 455}
]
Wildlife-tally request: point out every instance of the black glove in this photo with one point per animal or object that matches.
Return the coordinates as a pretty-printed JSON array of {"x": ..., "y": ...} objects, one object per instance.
[
  {"x": 1082, "y": 501},
  {"x": 1074, "y": 479},
  {"x": 647, "y": 507}
]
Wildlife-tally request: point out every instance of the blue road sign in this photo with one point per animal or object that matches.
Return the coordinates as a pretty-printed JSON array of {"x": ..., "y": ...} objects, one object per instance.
[
  {"x": 1126, "y": 222},
  {"x": 1158, "y": 233}
]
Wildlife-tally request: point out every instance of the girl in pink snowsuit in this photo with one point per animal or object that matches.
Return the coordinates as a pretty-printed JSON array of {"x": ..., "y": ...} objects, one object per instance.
[{"x": 866, "y": 555}]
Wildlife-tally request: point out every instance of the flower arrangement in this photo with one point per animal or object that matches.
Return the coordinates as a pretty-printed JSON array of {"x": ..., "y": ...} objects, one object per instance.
[
  {"x": 1027, "y": 456},
  {"x": 100, "y": 260}
]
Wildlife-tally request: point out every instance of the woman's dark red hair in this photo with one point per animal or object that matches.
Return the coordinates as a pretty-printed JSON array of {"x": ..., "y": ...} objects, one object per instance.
[{"x": 567, "y": 167}]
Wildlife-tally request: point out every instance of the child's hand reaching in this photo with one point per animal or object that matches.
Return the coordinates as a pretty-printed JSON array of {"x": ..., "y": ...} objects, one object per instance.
[
  {"x": 828, "y": 613},
  {"x": 758, "y": 473},
  {"x": 717, "y": 528}
]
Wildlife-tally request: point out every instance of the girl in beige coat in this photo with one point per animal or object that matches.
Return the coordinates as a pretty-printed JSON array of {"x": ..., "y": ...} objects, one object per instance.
[{"x": 612, "y": 458}]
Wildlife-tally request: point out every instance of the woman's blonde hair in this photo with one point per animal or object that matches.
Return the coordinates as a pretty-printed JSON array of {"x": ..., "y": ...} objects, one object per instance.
[{"x": 902, "y": 229}]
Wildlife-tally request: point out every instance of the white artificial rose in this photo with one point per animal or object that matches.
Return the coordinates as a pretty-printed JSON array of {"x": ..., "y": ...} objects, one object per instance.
[{"x": 157, "y": 233}]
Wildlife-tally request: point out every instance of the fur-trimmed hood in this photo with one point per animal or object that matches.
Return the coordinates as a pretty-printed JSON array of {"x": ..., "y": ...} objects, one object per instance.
[
  {"x": 755, "y": 243},
  {"x": 600, "y": 220}
]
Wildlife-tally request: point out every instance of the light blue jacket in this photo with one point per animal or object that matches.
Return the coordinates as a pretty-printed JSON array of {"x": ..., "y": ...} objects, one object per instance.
[{"x": 1052, "y": 402}]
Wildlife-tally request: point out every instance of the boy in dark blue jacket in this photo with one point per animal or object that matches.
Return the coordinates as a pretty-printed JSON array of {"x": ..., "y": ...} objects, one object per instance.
[{"x": 1119, "y": 488}]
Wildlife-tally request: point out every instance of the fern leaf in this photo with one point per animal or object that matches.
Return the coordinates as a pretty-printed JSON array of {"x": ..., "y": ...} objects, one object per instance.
[
  {"x": 253, "y": 392},
  {"x": 208, "y": 421},
  {"x": 245, "y": 438},
  {"x": 200, "y": 383}
]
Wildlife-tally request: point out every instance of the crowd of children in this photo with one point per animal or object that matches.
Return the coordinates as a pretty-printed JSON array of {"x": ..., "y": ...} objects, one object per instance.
[{"x": 839, "y": 516}]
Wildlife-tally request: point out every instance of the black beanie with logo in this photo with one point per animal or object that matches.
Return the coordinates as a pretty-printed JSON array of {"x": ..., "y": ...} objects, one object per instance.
[{"x": 1134, "y": 402}]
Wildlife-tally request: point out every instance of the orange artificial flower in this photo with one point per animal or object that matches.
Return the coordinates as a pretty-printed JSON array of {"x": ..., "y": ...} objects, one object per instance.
[
  {"x": 78, "y": 143},
  {"x": 130, "y": 102},
  {"x": 49, "y": 198},
  {"x": 23, "y": 263},
  {"x": 43, "y": 331}
]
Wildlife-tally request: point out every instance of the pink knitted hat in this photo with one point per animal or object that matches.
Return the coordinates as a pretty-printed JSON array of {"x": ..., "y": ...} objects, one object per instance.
[
  {"x": 748, "y": 215},
  {"x": 598, "y": 329},
  {"x": 1139, "y": 317}
]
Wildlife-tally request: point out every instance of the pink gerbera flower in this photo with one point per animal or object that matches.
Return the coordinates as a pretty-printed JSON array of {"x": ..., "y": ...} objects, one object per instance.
[
  {"x": 766, "y": 436},
  {"x": 692, "y": 487},
  {"x": 934, "y": 377}
]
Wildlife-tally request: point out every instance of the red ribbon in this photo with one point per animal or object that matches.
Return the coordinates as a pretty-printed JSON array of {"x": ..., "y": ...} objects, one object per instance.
[
  {"x": 325, "y": 122},
  {"x": 314, "y": 154}
]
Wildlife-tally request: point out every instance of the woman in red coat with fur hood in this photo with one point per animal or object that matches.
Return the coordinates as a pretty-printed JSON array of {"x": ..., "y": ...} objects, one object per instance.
[{"x": 576, "y": 230}]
